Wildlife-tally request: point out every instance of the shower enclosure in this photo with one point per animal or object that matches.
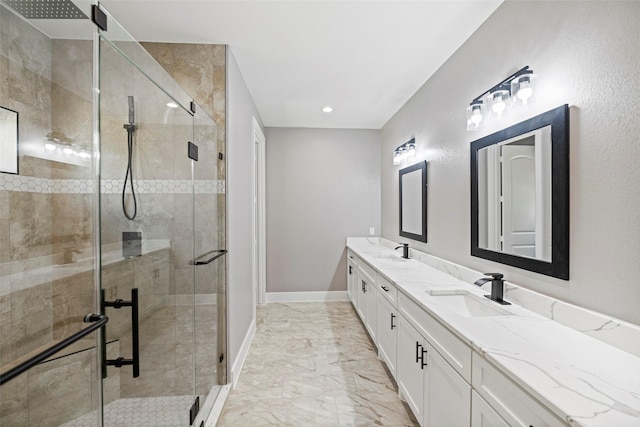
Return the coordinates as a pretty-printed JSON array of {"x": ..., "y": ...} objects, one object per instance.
[{"x": 117, "y": 209}]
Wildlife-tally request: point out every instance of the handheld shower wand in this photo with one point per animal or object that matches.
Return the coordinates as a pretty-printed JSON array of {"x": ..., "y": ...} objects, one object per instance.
[{"x": 131, "y": 128}]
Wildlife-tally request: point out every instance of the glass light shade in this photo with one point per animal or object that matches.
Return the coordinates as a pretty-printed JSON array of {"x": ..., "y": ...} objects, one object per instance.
[
  {"x": 498, "y": 101},
  {"x": 397, "y": 157},
  {"x": 523, "y": 88},
  {"x": 411, "y": 153},
  {"x": 474, "y": 115}
]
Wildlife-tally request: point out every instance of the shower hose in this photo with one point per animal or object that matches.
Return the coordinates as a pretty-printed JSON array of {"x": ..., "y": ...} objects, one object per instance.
[{"x": 131, "y": 128}]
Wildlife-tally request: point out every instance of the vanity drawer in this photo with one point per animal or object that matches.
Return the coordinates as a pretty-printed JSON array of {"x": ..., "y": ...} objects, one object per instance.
[
  {"x": 363, "y": 266},
  {"x": 510, "y": 401},
  {"x": 353, "y": 257},
  {"x": 388, "y": 289},
  {"x": 456, "y": 352}
]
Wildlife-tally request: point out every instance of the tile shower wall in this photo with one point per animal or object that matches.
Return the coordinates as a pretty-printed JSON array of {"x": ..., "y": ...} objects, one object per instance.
[{"x": 201, "y": 70}]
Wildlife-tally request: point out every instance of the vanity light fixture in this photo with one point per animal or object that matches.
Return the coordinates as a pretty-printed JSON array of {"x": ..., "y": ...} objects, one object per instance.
[
  {"x": 405, "y": 152},
  {"x": 515, "y": 89}
]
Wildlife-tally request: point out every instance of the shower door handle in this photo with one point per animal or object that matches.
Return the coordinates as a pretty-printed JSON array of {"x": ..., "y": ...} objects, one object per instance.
[
  {"x": 135, "y": 336},
  {"x": 218, "y": 252}
]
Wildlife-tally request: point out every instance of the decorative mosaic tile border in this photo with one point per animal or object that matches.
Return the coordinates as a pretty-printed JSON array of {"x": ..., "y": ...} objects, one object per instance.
[{"x": 30, "y": 184}]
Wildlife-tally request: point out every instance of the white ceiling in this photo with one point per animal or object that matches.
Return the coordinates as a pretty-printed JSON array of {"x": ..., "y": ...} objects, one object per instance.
[{"x": 363, "y": 58}]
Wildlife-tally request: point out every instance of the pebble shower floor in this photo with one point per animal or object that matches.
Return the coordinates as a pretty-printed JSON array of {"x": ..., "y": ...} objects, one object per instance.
[{"x": 169, "y": 411}]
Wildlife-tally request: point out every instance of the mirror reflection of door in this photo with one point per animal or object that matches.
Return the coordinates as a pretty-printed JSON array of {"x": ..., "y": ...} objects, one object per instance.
[
  {"x": 515, "y": 195},
  {"x": 518, "y": 207}
]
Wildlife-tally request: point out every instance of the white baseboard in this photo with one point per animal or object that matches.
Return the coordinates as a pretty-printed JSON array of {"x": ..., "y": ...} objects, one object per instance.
[
  {"x": 306, "y": 296},
  {"x": 242, "y": 355}
]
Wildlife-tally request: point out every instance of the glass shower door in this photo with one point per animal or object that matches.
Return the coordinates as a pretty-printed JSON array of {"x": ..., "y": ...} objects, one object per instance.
[
  {"x": 210, "y": 261},
  {"x": 47, "y": 262},
  {"x": 147, "y": 240}
]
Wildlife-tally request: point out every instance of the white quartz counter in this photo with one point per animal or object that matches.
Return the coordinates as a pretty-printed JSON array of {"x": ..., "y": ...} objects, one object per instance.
[{"x": 580, "y": 379}]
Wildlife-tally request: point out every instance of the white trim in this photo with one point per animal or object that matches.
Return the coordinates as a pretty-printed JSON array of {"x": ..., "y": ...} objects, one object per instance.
[
  {"x": 307, "y": 296},
  {"x": 259, "y": 216},
  {"x": 242, "y": 354},
  {"x": 218, "y": 405}
]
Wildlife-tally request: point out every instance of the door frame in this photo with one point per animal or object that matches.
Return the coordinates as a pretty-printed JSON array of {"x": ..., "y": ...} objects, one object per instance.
[{"x": 259, "y": 215}]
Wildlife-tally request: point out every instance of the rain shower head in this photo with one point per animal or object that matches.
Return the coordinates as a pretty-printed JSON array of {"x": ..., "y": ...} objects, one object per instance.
[{"x": 46, "y": 9}]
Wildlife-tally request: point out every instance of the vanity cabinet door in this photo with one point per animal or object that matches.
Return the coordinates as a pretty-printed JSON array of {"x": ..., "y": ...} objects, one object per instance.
[
  {"x": 370, "y": 318},
  {"x": 447, "y": 395},
  {"x": 387, "y": 327},
  {"x": 361, "y": 306},
  {"x": 483, "y": 415},
  {"x": 352, "y": 280},
  {"x": 411, "y": 374}
]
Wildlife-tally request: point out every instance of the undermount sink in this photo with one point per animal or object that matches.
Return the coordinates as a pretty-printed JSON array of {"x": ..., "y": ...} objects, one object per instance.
[
  {"x": 391, "y": 257},
  {"x": 467, "y": 304}
]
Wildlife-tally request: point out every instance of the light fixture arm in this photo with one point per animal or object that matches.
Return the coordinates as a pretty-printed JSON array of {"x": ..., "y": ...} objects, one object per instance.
[{"x": 504, "y": 84}]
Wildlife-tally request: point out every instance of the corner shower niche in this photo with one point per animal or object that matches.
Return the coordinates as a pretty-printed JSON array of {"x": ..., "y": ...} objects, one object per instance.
[{"x": 56, "y": 260}]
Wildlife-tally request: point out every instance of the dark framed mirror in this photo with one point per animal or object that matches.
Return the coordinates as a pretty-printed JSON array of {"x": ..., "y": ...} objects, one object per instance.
[
  {"x": 413, "y": 202},
  {"x": 8, "y": 141},
  {"x": 520, "y": 195}
]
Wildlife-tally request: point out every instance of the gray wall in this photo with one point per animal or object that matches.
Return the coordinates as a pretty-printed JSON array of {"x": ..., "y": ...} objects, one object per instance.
[
  {"x": 322, "y": 186},
  {"x": 240, "y": 111},
  {"x": 586, "y": 54}
]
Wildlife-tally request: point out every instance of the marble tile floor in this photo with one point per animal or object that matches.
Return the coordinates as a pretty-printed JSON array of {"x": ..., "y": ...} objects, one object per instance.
[{"x": 313, "y": 364}]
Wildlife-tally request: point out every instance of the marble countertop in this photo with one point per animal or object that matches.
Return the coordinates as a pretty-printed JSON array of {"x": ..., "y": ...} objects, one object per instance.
[{"x": 580, "y": 379}]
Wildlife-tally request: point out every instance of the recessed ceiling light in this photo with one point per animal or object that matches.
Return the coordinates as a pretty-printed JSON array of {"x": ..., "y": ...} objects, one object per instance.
[{"x": 327, "y": 109}]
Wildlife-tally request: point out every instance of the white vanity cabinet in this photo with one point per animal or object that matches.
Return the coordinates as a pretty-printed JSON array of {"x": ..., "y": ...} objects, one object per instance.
[
  {"x": 430, "y": 353},
  {"x": 435, "y": 392}
]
